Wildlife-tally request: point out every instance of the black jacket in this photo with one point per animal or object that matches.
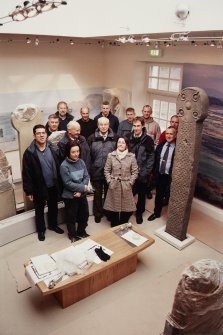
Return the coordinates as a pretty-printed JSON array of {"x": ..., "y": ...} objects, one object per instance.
[
  {"x": 63, "y": 123},
  {"x": 87, "y": 128},
  {"x": 157, "y": 159},
  {"x": 99, "y": 149},
  {"x": 143, "y": 148},
  {"x": 32, "y": 176},
  {"x": 85, "y": 151},
  {"x": 113, "y": 121}
]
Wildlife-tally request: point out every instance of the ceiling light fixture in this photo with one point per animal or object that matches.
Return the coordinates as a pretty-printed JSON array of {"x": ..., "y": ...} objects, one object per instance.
[
  {"x": 36, "y": 41},
  {"x": 29, "y": 10},
  {"x": 122, "y": 39},
  {"x": 131, "y": 39},
  {"x": 145, "y": 39}
]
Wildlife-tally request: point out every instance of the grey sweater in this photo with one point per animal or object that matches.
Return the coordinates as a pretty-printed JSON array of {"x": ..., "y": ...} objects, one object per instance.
[{"x": 74, "y": 176}]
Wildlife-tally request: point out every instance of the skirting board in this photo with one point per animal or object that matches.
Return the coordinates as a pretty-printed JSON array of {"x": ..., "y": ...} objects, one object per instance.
[
  {"x": 23, "y": 224},
  {"x": 172, "y": 240},
  {"x": 208, "y": 209}
]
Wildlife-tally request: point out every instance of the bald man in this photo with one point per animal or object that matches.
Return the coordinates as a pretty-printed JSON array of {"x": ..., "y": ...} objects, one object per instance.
[
  {"x": 88, "y": 126},
  {"x": 73, "y": 135}
]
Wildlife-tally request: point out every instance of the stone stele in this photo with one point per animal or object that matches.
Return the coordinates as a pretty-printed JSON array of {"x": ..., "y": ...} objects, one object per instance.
[
  {"x": 198, "y": 302},
  {"x": 192, "y": 109},
  {"x": 7, "y": 195}
]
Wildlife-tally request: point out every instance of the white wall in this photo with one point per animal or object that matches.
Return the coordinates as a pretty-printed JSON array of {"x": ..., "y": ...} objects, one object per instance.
[
  {"x": 58, "y": 67},
  {"x": 43, "y": 69},
  {"x": 126, "y": 66}
]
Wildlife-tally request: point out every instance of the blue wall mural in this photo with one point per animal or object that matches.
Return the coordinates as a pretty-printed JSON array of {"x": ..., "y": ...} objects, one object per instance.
[{"x": 209, "y": 185}]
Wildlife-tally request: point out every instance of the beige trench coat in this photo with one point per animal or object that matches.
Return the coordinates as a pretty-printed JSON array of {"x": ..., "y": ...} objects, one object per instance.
[{"x": 120, "y": 175}]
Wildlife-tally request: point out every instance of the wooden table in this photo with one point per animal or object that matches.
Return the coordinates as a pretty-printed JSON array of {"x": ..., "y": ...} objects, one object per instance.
[{"x": 122, "y": 263}]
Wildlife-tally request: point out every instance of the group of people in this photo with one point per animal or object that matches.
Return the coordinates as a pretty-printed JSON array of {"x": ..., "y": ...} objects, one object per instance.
[{"x": 117, "y": 159}]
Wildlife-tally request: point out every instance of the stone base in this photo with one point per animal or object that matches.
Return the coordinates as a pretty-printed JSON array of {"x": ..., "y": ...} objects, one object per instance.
[
  {"x": 23, "y": 224},
  {"x": 173, "y": 240}
]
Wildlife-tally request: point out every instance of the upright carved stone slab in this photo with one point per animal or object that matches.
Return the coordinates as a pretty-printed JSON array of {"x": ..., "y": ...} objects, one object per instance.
[
  {"x": 7, "y": 194},
  {"x": 197, "y": 307},
  {"x": 192, "y": 109}
]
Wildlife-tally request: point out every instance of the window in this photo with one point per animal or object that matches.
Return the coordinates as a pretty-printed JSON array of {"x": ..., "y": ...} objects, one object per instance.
[
  {"x": 165, "y": 78},
  {"x": 164, "y": 85}
]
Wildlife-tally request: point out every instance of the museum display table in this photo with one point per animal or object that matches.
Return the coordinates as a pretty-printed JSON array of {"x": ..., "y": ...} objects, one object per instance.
[{"x": 123, "y": 262}]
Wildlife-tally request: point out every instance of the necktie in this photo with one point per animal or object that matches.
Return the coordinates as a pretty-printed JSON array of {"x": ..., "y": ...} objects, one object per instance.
[{"x": 164, "y": 160}]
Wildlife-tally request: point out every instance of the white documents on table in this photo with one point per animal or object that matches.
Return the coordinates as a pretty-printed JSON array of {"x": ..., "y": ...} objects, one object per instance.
[
  {"x": 134, "y": 238},
  {"x": 64, "y": 263}
]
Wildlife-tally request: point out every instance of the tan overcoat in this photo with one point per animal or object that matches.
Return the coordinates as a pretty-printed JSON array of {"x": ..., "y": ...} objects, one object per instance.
[{"x": 120, "y": 175}]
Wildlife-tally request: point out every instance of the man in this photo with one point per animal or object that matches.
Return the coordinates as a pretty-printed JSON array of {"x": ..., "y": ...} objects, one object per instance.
[
  {"x": 64, "y": 116},
  {"x": 174, "y": 122},
  {"x": 88, "y": 126},
  {"x": 153, "y": 130},
  {"x": 73, "y": 135},
  {"x": 41, "y": 180},
  {"x": 125, "y": 127},
  {"x": 52, "y": 124},
  {"x": 101, "y": 143},
  {"x": 142, "y": 146},
  {"x": 152, "y": 127},
  {"x": 164, "y": 156},
  {"x": 106, "y": 112}
]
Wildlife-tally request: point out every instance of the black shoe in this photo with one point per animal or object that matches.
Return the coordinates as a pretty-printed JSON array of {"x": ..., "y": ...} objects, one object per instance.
[
  {"x": 41, "y": 236},
  {"x": 149, "y": 195},
  {"x": 97, "y": 219},
  {"x": 57, "y": 229},
  {"x": 153, "y": 217},
  {"x": 139, "y": 219},
  {"x": 83, "y": 235}
]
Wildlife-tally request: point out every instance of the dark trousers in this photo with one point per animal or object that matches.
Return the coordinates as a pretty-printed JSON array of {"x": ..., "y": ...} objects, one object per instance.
[
  {"x": 77, "y": 213},
  {"x": 39, "y": 204},
  {"x": 118, "y": 218},
  {"x": 162, "y": 187},
  {"x": 100, "y": 188},
  {"x": 140, "y": 189}
]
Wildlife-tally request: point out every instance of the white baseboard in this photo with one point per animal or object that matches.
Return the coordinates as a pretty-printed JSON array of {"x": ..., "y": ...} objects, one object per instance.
[
  {"x": 210, "y": 210},
  {"x": 23, "y": 224}
]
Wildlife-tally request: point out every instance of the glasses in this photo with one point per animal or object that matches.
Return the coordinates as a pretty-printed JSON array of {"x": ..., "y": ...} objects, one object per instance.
[{"x": 40, "y": 133}]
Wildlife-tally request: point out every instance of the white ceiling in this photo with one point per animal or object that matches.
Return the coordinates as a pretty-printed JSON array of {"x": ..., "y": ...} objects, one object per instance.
[{"x": 87, "y": 18}]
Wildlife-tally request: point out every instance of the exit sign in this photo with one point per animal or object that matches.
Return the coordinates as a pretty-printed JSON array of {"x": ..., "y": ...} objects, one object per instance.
[{"x": 155, "y": 52}]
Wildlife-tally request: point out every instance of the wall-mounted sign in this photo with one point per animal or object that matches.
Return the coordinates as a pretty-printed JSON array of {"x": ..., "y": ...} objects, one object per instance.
[{"x": 155, "y": 52}]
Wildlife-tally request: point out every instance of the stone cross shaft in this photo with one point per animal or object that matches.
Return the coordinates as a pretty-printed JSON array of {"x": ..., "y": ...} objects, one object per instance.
[{"x": 192, "y": 109}]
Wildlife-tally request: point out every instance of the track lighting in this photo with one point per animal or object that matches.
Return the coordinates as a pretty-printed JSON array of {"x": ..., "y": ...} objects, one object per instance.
[
  {"x": 29, "y": 10},
  {"x": 36, "y": 41}
]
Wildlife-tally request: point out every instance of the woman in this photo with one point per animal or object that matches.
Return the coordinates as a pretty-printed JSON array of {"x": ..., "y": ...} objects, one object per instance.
[
  {"x": 75, "y": 180},
  {"x": 121, "y": 171}
]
